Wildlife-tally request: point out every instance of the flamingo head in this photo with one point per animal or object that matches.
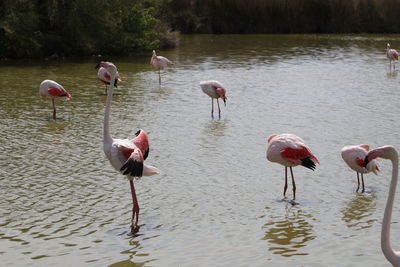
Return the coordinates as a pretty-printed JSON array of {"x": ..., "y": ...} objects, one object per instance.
[
  {"x": 271, "y": 137},
  {"x": 110, "y": 67},
  {"x": 221, "y": 93},
  {"x": 388, "y": 45},
  {"x": 385, "y": 152},
  {"x": 154, "y": 53}
]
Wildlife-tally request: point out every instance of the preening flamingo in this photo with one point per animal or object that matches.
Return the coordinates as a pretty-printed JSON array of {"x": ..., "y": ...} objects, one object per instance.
[
  {"x": 159, "y": 63},
  {"x": 354, "y": 157},
  {"x": 126, "y": 155},
  {"x": 104, "y": 76},
  {"x": 214, "y": 89},
  {"x": 387, "y": 152},
  {"x": 392, "y": 55},
  {"x": 52, "y": 89},
  {"x": 290, "y": 150}
]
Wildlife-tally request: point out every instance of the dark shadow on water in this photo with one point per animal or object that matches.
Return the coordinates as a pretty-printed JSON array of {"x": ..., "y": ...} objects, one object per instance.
[
  {"x": 357, "y": 211},
  {"x": 287, "y": 234}
]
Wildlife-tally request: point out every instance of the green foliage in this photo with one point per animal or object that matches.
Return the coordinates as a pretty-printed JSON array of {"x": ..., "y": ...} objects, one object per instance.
[{"x": 58, "y": 28}]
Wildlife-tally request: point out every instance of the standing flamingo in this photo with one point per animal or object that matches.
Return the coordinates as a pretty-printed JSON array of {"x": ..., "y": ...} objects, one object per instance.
[
  {"x": 104, "y": 76},
  {"x": 289, "y": 150},
  {"x": 52, "y": 89},
  {"x": 159, "y": 63},
  {"x": 214, "y": 89},
  {"x": 387, "y": 152},
  {"x": 126, "y": 155},
  {"x": 354, "y": 157},
  {"x": 392, "y": 55}
]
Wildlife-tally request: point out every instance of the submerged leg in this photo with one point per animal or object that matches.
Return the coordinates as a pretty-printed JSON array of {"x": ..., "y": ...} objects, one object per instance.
[
  {"x": 293, "y": 184},
  {"x": 135, "y": 208},
  {"x": 362, "y": 180},
  {"x": 285, "y": 187},
  {"x": 159, "y": 76},
  {"x": 54, "y": 109}
]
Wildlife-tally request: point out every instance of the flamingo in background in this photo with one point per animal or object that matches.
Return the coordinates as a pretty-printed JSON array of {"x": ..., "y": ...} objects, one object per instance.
[
  {"x": 104, "y": 76},
  {"x": 387, "y": 152},
  {"x": 52, "y": 89},
  {"x": 214, "y": 89},
  {"x": 159, "y": 63},
  {"x": 392, "y": 55},
  {"x": 126, "y": 155},
  {"x": 354, "y": 157},
  {"x": 289, "y": 150}
]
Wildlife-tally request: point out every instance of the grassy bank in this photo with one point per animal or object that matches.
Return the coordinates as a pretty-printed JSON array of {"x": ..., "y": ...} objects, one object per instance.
[{"x": 285, "y": 16}]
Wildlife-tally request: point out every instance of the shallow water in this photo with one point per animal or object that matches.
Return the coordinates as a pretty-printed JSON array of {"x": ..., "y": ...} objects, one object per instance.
[{"x": 217, "y": 201}]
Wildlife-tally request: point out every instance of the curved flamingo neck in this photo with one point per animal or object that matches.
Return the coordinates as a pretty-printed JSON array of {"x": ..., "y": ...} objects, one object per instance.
[
  {"x": 106, "y": 126},
  {"x": 391, "y": 255}
]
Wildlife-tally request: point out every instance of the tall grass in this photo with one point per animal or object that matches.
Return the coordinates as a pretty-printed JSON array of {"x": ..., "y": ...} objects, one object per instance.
[{"x": 285, "y": 16}]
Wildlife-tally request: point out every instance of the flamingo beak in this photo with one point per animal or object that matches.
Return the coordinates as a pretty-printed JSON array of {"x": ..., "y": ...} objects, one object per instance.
[
  {"x": 97, "y": 66},
  {"x": 224, "y": 101}
]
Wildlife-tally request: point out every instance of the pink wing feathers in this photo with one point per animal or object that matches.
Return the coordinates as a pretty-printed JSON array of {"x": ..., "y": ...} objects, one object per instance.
[
  {"x": 55, "y": 92},
  {"x": 300, "y": 156}
]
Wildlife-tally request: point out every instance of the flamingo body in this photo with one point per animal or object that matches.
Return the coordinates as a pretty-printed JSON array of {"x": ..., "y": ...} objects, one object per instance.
[
  {"x": 52, "y": 89},
  {"x": 392, "y": 55},
  {"x": 290, "y": 150},
  {"x": 354, "y": 157},
  {"x": 159, "y": 63},
  {"x": 104, "y": 76},
  {"x": 215, "y": 90}
]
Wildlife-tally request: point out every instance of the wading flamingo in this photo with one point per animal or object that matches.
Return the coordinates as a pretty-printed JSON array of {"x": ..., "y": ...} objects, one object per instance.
[
  {"x": 289, "y": 150},
  {"x": 354, "y": 157},
  {"x": 126, "y": 155},
  {"x": 392, "y": 55},
  {"x": 214, "y": 89},
  {"x": 104, "y": 76},
  {"x": 159, "y": 63},
  {"x": 52, "y": 89},
  {"x": 387, "y": 152}
]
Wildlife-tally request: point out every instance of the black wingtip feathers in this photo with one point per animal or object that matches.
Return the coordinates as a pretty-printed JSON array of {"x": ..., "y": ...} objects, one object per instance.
[{"x": 308, "y": 163}]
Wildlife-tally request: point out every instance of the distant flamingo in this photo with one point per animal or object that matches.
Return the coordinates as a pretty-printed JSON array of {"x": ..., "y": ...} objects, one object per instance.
[
  {"x": 214, "y": 89},
  {"x": 159, "y": 63},
  {"x": 289, "y": 150},
  {"x": 52, "y": 89},
  {"x": 387, "y": 152},
  {"x": 392, "y": 55},
  {"x": 126, "y": 155},
  {"x": 104, "y": 76},
  {"x": 354, "y": 157}
]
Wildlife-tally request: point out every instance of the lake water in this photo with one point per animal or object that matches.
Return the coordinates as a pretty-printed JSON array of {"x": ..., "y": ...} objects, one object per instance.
[{"x": 217, "y": 201}]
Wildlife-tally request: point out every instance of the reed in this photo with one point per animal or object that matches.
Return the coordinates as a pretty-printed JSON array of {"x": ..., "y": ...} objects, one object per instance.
[{"x": 285, "y": 16}]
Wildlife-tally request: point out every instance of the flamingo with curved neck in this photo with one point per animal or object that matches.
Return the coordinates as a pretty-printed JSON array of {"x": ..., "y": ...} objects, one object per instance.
[
  {"x": 126, "y": 155},
  {"x": 387, "y": 152}
]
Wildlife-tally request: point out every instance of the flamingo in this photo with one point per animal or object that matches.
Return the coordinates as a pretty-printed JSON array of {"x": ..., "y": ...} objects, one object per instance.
[
  {"x": 159, "y": 63},
  {"x": 290, "y": 150},
  {"x": 52, "y": 89},
  {"x": 126, "y": 155},
  {"x": 354, "y": 157},
  {"x": 214, "y": 89},
  {"x": 392, "y": 55},
  {"x": 390, "y": 153},
  {"x": 104, "y": 76}
]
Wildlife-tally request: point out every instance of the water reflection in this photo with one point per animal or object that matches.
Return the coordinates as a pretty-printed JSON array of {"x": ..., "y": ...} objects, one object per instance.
[
  {"x": 288, "y": 234},
  {"x": 358, "y": 210}
]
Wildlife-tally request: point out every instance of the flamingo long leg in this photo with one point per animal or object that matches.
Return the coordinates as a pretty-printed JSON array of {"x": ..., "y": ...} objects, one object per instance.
[
  {"x": 293, "y": 184},
  {"x": 358, "y": 182},
  {"x": 54, "y": 109},
  {"x": 212, "y": 107},
  {"x": 362, "y": 180},
  {"x": 159, "y": 76},
  {"x": 285, "y": 187},
  {"x": 135, "y": 208},
  {"x": 219, "y": 110}
]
